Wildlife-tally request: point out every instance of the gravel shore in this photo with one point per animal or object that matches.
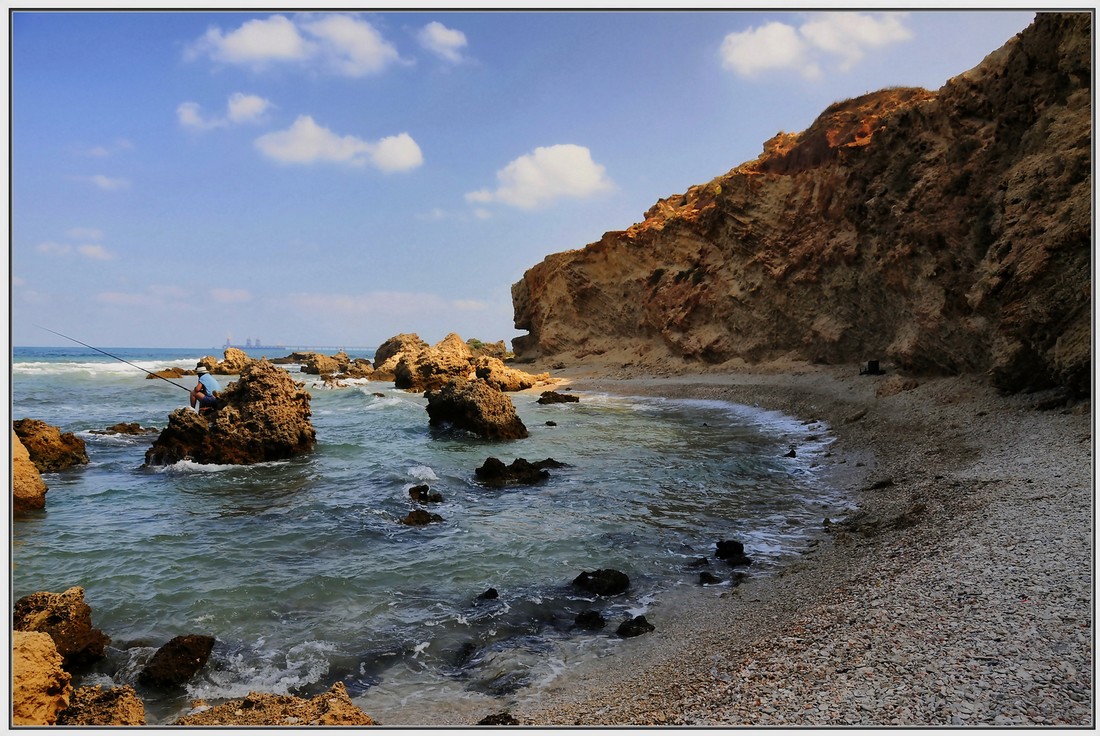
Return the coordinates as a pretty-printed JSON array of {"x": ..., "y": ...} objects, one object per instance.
[{"x": 959, "y": 594}]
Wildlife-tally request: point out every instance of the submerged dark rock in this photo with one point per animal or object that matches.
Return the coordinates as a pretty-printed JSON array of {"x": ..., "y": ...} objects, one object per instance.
[
  {"x": 590, "y": 620},
  {"x": 420, "y": 517},
  {"x": 603, "y": 582},
  {"x": 521, "y": 472},
  {"x": 424, "y": 494},
  {"x": 635, "y": 627},
  {"x": 733, "y": 552},
  {"x": 553, "y": 397}
]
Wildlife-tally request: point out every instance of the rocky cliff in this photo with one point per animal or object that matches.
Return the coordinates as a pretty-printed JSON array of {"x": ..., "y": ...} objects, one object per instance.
[{"x": 945, "y": 232}]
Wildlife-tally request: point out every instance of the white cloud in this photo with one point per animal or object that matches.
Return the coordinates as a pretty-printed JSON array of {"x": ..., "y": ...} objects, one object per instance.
[
  {"x": 545, "y": 175},
  {"x": 95, "y": 252},
  {"x": 230, "y": 296},
  {"x": 397, "y": 153},
  {"x": 51, "y": 248},
  {"x": 772, "y": 46},
  {"x": 306, "y": 142},
  {"x": 842, "y": 36},
  {"x": 246, "y": 108},
  {"x": 189, "y": 116},
  {"x": 256, "y": 43},
  {"x": 340, "y": 42},
  {"x": 446, "y": 42},
  {"x": 107, "y": 183},
  {"x": 849, "y": 35},
  {"x": 240, "y": 108},
  {"x": 350, "y": 46}
]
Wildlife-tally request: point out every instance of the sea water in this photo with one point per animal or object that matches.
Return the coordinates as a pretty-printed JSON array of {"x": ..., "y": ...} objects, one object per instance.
[{"x": 305, "y": 576}]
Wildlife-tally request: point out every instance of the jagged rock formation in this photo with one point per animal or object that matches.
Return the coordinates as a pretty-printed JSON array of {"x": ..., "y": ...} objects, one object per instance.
[
  {"x": 263, "y": 416},
  {"x": 49, "y": 448},
  {"x": 66, "y": 619},
  {"x": 416, "y": 366},
  {"x": 40, "y": 688},
  {"x": 333, "y": 708},
  {"x": 95, "y": 706},
  {"x": 234, "y": 361},
  {"x": 944, "y": 231},
  {"x": 28, "y": 490}
]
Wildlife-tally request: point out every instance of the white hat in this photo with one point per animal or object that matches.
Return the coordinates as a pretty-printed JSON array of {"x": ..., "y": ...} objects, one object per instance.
[{"x": 201, "y": 369}]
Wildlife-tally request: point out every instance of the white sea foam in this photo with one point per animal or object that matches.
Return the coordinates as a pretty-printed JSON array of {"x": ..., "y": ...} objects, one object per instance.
[{"x": 422, "y": 472}]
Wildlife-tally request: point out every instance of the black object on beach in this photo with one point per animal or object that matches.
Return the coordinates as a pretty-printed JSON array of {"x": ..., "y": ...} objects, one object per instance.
[
  {"x": 872, "y": 369},
  {"x": 47, "y": 329}
]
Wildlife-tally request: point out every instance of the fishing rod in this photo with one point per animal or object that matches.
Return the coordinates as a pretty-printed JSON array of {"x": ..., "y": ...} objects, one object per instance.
[{"x": 109, "y": 355}]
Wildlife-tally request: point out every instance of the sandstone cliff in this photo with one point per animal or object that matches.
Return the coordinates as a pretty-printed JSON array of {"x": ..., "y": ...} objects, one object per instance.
[{"x": 945, "y": 232}]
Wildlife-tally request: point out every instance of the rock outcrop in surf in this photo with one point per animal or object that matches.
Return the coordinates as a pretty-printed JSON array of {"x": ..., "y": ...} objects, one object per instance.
[
  {"x": 263, "y": 416},
  {"x": 476, "y": 407},
  {"x": 49, "y": 448}
]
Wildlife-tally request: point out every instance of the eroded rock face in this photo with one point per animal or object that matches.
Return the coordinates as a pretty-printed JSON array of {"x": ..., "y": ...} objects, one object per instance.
[
  {"x": 28, "y": 490},
  {"x": 391, "y": 351},
  {"x": 945, "y": 231},
  {"x": 95, "y": 706},
  {"x": 333, "y": 708},
  {"x": 476, "y": 407},
  {"x": 49, "y": 448},
  {"x": 40, "y": 687},
  {"x": 264, "y": 416},
  {"x": 67, "y": 619},
  {"x": 505, "y": 378}
]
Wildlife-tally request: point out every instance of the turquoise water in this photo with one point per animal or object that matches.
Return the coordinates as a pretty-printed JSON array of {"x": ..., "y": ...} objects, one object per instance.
[{"x": 302, "y": 572}]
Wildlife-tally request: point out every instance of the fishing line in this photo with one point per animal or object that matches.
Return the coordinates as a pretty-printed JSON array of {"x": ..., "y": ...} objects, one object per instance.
[{"x": 109, "y": 355}]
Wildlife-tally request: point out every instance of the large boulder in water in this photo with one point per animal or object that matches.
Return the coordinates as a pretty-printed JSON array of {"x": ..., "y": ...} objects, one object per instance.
[
  {"x": 476, "y": 407},
  {"x": 68, "y": 621},
  {"x": 49, "y": 448},
  {"x": 263, "y": 416},
  {"x": 177, "y": 661},
  {"x": 28, "y": 490}
]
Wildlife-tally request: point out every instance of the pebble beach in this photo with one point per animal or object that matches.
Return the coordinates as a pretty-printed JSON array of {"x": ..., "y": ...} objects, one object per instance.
[{"x": 960, "y": 593}]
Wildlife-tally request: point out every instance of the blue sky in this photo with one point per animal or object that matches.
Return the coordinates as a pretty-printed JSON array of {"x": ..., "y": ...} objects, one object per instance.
[{"x": 337, "y": 178}]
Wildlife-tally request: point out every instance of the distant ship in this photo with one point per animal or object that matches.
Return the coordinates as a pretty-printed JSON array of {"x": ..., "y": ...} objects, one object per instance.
[{"x": 250, "y": 344}]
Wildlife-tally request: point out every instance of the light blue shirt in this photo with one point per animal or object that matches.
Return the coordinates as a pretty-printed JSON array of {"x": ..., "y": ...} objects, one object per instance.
[{"x": 211, "y": 385}]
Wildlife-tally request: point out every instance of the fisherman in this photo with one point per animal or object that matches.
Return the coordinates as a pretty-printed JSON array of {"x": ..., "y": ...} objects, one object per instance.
[{"x": 205, "y": 393}]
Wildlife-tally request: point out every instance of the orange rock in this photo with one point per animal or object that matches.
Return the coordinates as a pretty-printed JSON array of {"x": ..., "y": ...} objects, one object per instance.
[
  {"x": 40, "y": 688},
  {"x": 28, "y": 490}
]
